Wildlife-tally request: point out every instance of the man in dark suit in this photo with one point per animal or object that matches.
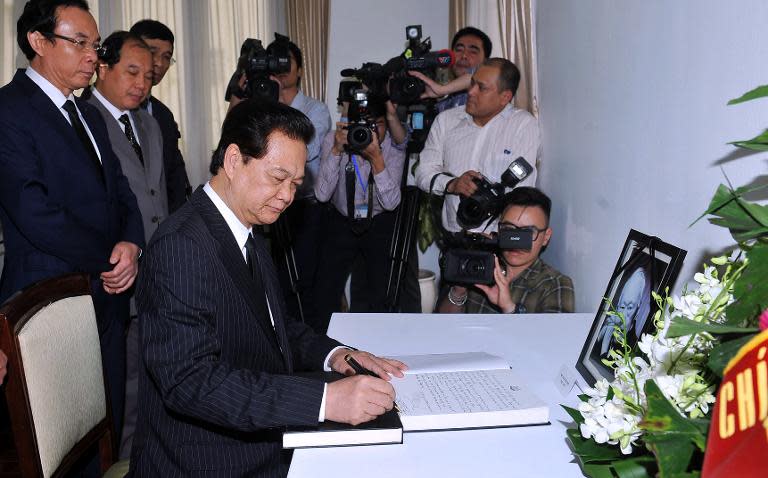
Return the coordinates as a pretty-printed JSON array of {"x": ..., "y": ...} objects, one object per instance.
[
  {"x": 160, "y": 40},
  {"x": 124, "y": 79},
  {"x": 65, "y": 205},
  {"x": 218, "y": 349}
]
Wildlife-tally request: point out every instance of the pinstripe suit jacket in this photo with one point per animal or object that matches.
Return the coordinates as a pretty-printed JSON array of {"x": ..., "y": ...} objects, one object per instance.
[{"x": 216, "y": 388}]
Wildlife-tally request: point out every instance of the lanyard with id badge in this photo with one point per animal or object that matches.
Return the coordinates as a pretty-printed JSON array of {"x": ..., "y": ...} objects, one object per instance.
[{"x": 358, "y": 214}]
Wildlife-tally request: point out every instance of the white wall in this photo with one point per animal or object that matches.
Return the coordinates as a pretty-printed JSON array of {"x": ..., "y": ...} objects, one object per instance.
[{"x": 635, "y": 124}]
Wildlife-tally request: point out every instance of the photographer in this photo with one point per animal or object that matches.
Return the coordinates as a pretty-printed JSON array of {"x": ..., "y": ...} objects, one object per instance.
[
  {"x": 478, "y": 139},
  {"x": 470, "y": 47},
  {"x": 363, "y": 186},
  {"x": 523, "y": 282}
]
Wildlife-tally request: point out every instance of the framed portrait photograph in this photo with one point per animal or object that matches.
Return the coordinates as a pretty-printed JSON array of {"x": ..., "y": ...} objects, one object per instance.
[{"x": 646, "y": 264}]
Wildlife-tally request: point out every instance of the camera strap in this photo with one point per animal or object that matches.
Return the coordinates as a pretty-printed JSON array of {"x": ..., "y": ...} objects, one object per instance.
[{"x": 359, "y": 225}]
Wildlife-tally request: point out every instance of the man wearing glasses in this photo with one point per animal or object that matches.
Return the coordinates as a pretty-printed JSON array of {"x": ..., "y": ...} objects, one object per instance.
[
  {"x": 65, "y": 205},
  {"x": 160, "y": 40},
  {"x": 524, "y": 283}
]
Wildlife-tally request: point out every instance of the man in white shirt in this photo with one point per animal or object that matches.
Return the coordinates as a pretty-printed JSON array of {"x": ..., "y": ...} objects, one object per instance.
[{"x": 480, "y": 139}]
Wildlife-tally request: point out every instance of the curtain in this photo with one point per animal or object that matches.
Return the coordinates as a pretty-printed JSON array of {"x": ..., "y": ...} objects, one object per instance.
[
  {"x": 11, "y": 57},
  {"x": 516, "y": 23},
  {"x": 457, "y": 17},
  {"x": 208, "y": 35},
  {"x": 308, "y": 24},
  {"x": 510, "y": 25}
]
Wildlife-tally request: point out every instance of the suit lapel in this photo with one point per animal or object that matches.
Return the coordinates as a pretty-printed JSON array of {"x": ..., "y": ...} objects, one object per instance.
[
  {"x": 145, "y": 140},
  {"x": 54, "y": 118},
  {"x": 118, "y": 141},
  {"x": 232, "y": 258}
]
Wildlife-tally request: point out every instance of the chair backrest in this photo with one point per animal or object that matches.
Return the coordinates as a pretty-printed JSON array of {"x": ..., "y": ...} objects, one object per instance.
[{"x": 55, "y": 385}]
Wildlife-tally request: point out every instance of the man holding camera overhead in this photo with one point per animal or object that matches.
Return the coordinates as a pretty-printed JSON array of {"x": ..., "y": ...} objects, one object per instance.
[
  {"x": 480, "y": 139},
  {"x": 360, "y": 171}
]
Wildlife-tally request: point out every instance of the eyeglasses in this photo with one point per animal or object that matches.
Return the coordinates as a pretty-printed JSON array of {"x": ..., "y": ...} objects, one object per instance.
[
  {"x": 166, "y": 58},
  {"x": 535, "y": 231},
  {"x": 81, "y": 43}
]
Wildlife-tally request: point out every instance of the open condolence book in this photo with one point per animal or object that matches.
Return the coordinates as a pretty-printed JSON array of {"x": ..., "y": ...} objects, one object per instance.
[
  {"x": 464, "y": 390},
  {"x": 438, "y": 392}
]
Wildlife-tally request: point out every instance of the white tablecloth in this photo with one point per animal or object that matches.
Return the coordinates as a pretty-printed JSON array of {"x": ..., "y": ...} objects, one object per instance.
[{"x": 535, "y": 345}]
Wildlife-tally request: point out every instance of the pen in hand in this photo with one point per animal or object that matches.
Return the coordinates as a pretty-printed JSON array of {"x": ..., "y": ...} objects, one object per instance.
[{"x": 360, "y": 370}]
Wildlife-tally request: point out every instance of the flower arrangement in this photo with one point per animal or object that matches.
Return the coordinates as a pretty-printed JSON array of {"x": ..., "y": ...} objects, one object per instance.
[{"x": 652, "y": 418}]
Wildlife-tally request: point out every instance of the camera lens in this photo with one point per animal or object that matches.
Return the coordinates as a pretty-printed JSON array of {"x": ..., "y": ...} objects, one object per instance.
[
  {"x": 359, "y": 137},
  {"x": 473, "y": 268},
  {"x": 471, "y": 213}
]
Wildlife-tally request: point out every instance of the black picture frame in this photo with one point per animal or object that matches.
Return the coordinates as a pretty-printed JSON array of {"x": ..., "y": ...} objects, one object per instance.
[{"x": 646, "y": 264}]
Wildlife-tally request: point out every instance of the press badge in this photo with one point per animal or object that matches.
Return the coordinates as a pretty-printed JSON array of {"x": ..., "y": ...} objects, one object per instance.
[{"x": 361, "y": 211}]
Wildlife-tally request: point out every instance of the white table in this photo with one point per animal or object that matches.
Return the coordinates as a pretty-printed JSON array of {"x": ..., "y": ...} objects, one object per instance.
[{"x": 535, "y": 346}]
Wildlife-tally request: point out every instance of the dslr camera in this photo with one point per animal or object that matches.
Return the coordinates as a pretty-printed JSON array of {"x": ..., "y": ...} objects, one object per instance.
[
  {"x": 472, "y": 259},
  {"x": 487, "y": 201},
  {"x": 362, "y": 122},
  {"x": 258, "y": 65}
]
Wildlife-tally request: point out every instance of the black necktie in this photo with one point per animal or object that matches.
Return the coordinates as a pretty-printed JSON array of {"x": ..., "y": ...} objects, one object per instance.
[
  {"x": 131, "y": 137},
  {"x": 74, "y": 118},
  {"x": 256, "y": 256}
]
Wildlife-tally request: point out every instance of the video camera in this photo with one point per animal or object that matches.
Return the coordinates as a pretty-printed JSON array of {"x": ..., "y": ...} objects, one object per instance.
[
  {"x": 472, "y": 261},
  {"x": 470, "y": 256},
  {"x": 487, "y": 201},
  {"x": 403, "y": 88},
  {"x": 258, "y": 65}
]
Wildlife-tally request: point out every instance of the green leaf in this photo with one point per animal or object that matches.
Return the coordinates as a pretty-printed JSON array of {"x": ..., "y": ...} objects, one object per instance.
[
  {"x": 663, "y": 419},
  {"x": 587, "y": 450},
  {"x": 575, "y": 414},
  {"x": 758, "y": 92},
  {"x": 680, "y": 326},
  {"x": 598, "y": 471},
  {"x": 751, "y": 289},
  {"x": 630, "y": 468},
  {"x": 721, "y": 354},
  {"x": 758, "y": 143},
  {"x": 728, "y": 210},
  {"x": 673, "y": 452}
]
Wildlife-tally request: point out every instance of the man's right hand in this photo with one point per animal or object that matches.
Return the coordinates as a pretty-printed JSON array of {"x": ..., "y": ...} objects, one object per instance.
[
  {"x": 358, "y": 399},
  {"x": 339, "y": 138},
  {"x": 464, "y": 185}
]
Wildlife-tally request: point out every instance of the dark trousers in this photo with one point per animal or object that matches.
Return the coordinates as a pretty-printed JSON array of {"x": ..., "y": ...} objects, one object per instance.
[
  {"x": 409, "y": 293},
  {"x": 305, "y": 218},
  {"x": 336, "y": 261}
]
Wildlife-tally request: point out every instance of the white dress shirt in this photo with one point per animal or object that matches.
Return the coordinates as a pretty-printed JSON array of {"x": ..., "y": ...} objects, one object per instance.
[
  {"x": 59, "y": 99},
  {"x": 116, "y": 113},
  {"x": 456, "y": 144}
]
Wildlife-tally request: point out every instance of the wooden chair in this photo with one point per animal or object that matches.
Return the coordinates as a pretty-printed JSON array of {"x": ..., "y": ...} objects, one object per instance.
[{"x": 55, "y": 385}]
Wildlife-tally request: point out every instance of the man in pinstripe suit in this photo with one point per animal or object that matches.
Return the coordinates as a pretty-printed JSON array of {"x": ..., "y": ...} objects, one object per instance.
[{"x": 217, "y": 386}]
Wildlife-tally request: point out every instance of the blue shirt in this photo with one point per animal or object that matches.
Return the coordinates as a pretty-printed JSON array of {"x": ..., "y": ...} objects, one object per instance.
[{"x": 318, "y": 114}]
